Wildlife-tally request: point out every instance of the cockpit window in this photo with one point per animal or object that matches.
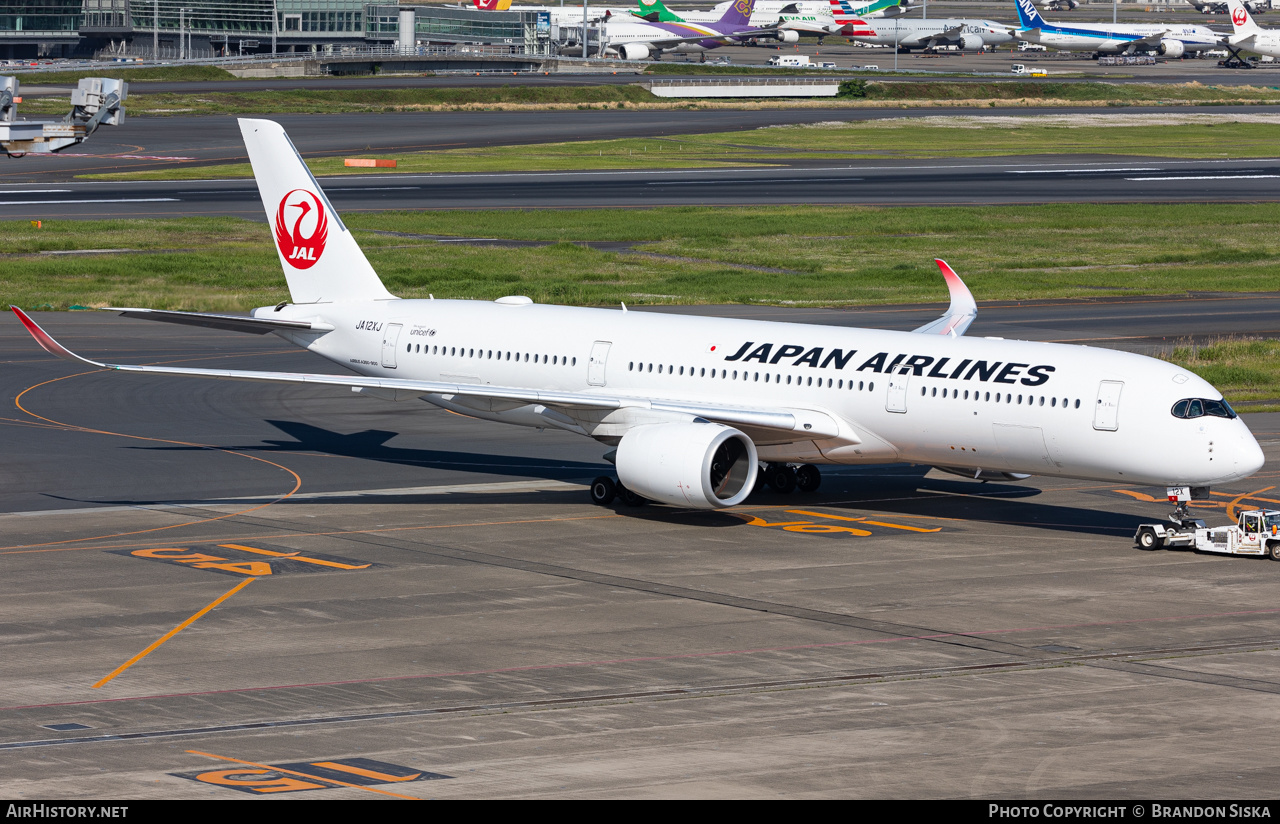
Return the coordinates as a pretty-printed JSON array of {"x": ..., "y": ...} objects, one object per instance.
[{"x": 1198, "y": 407}]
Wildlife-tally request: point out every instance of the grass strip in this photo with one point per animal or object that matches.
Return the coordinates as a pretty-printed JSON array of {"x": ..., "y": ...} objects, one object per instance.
[
  {"x": 827, "y": 256},
  {"x": 1184, "y": 136},
  {"x": 1246, "y": 370},
  {"x": 155, "y": 73}
]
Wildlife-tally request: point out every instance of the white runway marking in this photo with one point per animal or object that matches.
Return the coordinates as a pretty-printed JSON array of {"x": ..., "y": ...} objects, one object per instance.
[
  {"x": 1206, "y": 177},
  {"x": 105, "y": 200}
]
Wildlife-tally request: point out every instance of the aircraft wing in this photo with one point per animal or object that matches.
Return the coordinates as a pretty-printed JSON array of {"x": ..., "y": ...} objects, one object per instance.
[
  {"x": 1149, "y": 40},
  {"x": 231, "y": 323},
  {"x": 804, "y": 423},
  {"x": 948, "y": 34},
  {"x": 960, "y": 313}
]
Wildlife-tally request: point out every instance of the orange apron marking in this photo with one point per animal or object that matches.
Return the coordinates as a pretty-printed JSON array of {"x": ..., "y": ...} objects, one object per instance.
[
  {"x": 302, "y": 774},
  {"x": 332, "y": 765},
  {"x": 179, "y": 628}
]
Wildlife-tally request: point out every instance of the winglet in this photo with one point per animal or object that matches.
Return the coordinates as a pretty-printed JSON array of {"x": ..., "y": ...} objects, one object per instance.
[
  {"x": 960, "y": 313},
  {"x": 48, "y": 344}
]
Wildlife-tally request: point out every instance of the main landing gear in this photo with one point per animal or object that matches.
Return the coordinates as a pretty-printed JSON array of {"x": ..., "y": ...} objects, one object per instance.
[
  {"x": 605, "y": 489},
  {"x": 783, "y": 478}
]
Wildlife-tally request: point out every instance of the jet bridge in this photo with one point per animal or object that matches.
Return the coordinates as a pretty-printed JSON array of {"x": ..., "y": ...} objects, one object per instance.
[{"x": 96, "y": 101}]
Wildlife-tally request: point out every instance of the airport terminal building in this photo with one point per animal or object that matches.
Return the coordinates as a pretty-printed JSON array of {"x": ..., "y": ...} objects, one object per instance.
[{"x": 202, "y": 28}]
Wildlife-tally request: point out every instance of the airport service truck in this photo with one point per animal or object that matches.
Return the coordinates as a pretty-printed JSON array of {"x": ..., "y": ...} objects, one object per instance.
[{"x": 1255, "y": 532}]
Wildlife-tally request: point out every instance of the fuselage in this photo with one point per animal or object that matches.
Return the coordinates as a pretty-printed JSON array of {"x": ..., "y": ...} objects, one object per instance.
[
  {"x": 1262, "y": 41},
  {"x": 1119, "y": 37},
  {"x": 617, "y": 31},
  {"x": 978, "y": 403},
  {"x": 912, "y": 33}
]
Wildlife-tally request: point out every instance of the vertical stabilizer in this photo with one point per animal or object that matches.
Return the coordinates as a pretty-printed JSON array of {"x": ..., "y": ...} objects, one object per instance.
[
  {"x": 738, "y": 14},
  {"x": 655, "y": 11},
  {"x": 322, "y": 261},
  {"x": 1028, "y": 15},
  {"x": 1241, "y": 20}
]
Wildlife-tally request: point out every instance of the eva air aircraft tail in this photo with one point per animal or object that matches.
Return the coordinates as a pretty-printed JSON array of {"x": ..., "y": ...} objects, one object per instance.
[{"x": 648, "y": 8}]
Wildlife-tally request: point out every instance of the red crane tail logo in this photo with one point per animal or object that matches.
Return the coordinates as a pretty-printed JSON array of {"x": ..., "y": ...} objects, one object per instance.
[
  {"x": 302, "y": 227},
  {"x": 1239, "y": 16}
]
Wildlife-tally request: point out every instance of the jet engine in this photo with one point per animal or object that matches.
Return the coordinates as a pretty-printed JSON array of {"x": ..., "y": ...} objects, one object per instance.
[
  {"x": 788, "y": 36},
  {"x": 634, "y": 51},
  {"x": 699, "y": 465},
  {"x": 971, "y": 42},
  {"x": 1172, "y": 49}
]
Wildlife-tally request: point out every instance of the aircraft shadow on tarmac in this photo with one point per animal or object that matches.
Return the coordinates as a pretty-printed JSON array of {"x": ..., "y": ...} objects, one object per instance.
[
  {"x": 371, "y": 445},
  {"x": 898, "y": 488}
]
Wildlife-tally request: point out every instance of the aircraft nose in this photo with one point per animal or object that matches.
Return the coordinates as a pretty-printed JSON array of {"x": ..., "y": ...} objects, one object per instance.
[{"x": 1248, "y": 454}]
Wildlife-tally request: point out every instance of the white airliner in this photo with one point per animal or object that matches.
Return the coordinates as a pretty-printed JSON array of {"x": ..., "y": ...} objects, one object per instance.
[
  {"x": 1248, "y": 35},
  {"x": 694, "y": 405},
  {"x": 1170, "y": 40},
  {"x": 908, "y": 34}
]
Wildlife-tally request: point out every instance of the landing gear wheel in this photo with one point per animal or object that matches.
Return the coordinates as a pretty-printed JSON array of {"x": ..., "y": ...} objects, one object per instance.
[
  {"x": 808, "y": 478},
  {"x": 761, "y": 481},
  {"x": 1147, "y": 539},
  {"x": 781, "y": 477},
  {"x": 630, "y": 498},
  {"x": 603, "y": 491}
]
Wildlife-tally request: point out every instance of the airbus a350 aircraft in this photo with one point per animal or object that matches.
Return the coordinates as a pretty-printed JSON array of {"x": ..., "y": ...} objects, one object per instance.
[
  {"x": 693, "y": 405},
  {"x": 1248, "y": 35}
]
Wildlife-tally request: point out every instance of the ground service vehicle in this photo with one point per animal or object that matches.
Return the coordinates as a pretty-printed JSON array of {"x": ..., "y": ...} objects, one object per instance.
[{"x": 1256, "y": 532}]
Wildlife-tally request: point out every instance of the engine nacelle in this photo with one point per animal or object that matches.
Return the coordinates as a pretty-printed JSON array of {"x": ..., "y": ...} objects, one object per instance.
[
  {"x": 634, "y": 51},
  {"x": 1172, "y": 49},
  {"x": 971, "y": 42},
  {"x": 788, "y": 36},
  {"x": 699, "y": 465}
]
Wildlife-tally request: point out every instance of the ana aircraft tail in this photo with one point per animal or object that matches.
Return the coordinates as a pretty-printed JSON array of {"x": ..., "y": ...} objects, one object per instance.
[
  {"x": 1028, "y": 15},
  {"x": 322, "y": 261},
  {"x": 1241, "y": 20},
  {"x": 738, "y": 14}
]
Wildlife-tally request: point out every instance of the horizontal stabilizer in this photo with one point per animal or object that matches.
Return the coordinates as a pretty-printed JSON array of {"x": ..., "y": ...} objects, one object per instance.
[
  {"x": 960, "y": 313},
  {"x": 230, "y": 323}
]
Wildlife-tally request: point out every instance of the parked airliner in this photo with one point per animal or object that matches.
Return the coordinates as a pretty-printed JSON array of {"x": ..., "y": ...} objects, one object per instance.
[
  {"x": 1248, "y": 35},
  {"x": 1172, "y": 40},
  {"x": 907, "y": 34},
  {"x": 694, "y": 405}
]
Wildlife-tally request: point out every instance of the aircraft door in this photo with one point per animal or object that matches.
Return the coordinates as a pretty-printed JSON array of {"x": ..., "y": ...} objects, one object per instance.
[
  {"x": 1106, "y": 412},
  {"x": 896, "y": 401},
  {"x": 390, "y": 340},
  {"x": 595, "y": 367}
]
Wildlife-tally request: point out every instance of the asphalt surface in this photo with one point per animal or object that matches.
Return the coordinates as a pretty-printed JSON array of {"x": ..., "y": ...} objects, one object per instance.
[
  {"x": 904, "y": 183},
  {"x": 366, "y": 592},
  {"x": 143, "y": 144}
]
